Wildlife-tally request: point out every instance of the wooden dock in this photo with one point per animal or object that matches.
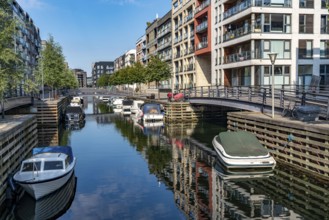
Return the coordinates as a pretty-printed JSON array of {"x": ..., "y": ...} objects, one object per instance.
[
  {"x": 49, "y": 117},
  {"x": 178, "y": 112},
  {"x": 18, "y": 135},
  {"x": 303, "y": 145}
]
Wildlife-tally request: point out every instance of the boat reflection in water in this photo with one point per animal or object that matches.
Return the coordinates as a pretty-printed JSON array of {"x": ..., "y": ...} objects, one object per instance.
[
  {"x": 77, "y": 125},
  {"x": 50, "y": 207}
]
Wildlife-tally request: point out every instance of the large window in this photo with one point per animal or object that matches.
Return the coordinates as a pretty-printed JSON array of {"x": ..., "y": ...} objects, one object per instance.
[
  {"x": 324, "y": 74},
  {"x": 324, "y": 49},
  {"x": 277, "y": 23},
  {"x": 282, "y": 47},
  {"x": 305, "y": 73},
  {"x": 324, "y": 24},
  {"x": 305, "y": 49},
  {"x": 306, "y": 3},
  {"x": 306, "y": 23},
  {"x": 281, "y": 75}
]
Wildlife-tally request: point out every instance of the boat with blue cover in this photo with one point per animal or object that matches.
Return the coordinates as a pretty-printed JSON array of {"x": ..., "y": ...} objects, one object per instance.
[
  {"x": 47, "y": 170},
  {"x": 242, "y": 151}
]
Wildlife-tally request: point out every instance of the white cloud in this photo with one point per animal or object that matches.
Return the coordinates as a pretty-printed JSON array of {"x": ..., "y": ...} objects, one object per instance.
[{"x": 28, "y": 4}]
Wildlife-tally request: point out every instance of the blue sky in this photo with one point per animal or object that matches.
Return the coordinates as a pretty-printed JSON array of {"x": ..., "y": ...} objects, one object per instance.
[{"x": 93, "y": 30}]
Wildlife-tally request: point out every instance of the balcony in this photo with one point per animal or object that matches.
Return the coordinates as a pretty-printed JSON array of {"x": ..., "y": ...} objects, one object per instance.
[
  {"x": 324, "y": 54},
  {"x": 258, "y": 3},
  {"x": 188, "y": 17},
  {"x": 233, "y": 34},
  {"x": 237, "y": 57},
  {"x": 202, "y": 45},
  {"x": 202, "y": 27},
  {"x": 202, "y": 6}
]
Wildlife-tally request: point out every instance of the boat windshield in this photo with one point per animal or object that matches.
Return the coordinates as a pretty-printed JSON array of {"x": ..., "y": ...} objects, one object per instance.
[
  {"x": 53, "y": 165},
  {"x": 31, "y": 166},
  {"x": 151, "y": 109}
]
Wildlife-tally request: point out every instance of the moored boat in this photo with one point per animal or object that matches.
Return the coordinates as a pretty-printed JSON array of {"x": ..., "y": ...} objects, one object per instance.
[
  {"x": 241, "y": 151},
  {"x": 46, "y": 171}
]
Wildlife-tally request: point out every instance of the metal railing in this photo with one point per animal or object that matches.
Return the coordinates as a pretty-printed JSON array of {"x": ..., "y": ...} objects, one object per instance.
[{"x": 283, "y": 95}]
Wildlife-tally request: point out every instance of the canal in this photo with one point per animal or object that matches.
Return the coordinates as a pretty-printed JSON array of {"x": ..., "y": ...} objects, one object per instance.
[{"x": 128, "y": 171}]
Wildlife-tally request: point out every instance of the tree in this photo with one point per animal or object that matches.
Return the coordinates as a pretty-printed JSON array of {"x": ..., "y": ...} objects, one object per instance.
[
  {"x": 11, "y": 66},
  {"x": 52, "y": 70},
  {"x": 157, "y": 70}
]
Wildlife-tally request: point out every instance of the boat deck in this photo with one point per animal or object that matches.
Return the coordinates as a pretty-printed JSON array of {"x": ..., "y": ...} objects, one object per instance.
[{"x": 241, "y": 144}]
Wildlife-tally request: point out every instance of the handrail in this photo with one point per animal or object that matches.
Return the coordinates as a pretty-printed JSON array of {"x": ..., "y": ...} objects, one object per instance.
[{"x": 283, "y": 95}]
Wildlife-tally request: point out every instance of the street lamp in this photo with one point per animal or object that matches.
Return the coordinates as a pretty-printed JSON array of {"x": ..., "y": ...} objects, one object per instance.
[{"x": 272, "y": 56}]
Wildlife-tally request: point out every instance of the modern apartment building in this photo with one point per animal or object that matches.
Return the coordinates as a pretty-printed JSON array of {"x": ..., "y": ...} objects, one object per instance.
[
  {"x": 100, "y": 68},
  {"x": 244, "y": 33},
  {"x": 130, "y": 57},
  {"x": 151, "y": 39},
  {"x": 164, "y": 43},
  {"x": 81, "y": 76},
  {"x": 183, "y": 43},
  {"x": 141, "y": 50},
  {"x": 27, "y": 40},
  {"x": 203, "y": 49},
  {"x": 119, "y": 62}
]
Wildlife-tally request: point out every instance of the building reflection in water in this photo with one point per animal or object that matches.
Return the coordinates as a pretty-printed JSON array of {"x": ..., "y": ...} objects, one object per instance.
[{"x": 202, "y": 189}]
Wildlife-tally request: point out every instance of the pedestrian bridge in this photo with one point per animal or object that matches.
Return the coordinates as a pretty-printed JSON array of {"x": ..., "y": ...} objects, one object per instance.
[{"x": 259, "y": 98}]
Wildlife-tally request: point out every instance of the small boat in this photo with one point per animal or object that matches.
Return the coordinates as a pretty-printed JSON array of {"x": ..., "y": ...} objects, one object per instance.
[
  {"x": 241, "y": 151},
  {"x": 126, "y": 106},
  {"x": 150, "y": 112},
  {"x": 47, "y": 170},
  {"x": 136, "y": 106},
  {"x": 74, "y": 114}
]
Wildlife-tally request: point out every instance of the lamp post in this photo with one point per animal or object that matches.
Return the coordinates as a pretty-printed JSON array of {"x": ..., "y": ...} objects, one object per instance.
[{"x": 272, "y": 56}]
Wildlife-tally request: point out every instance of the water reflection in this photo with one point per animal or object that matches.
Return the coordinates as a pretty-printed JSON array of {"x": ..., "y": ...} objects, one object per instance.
[
  {"x": 170, "y": 171},
  {"x": 50, "y": 207}
]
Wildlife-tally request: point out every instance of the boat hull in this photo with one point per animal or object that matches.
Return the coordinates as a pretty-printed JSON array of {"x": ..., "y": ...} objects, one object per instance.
[
  {"x": 265, "y": 163},
  {"x": 38, "y": 189}
]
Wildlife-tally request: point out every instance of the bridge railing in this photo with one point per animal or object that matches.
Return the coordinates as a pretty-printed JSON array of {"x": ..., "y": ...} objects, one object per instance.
[{"x": 284, "y": 95}]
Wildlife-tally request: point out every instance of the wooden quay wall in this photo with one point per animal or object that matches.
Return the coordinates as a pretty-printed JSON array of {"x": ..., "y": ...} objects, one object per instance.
[
  {"x": 18, "y": 135},
  {"x": 302, "y": 145},
  {"x": 185, "y": 112},
  {"x": 49, "y": 116}
]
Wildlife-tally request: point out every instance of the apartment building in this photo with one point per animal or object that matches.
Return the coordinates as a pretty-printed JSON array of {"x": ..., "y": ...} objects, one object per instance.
[
  {"x": 151, "y": 39},
  {"x": 141, "y": 50},
  {"x": 100, "y": 68},
  {"x": 119, "y": 62},
  {"x": 81, "y": 76},
  {"x": 130, "y": 57},
  {"x": 27, "y": 41},
  {"x": 164, "y": 42},
  {"x": 203, "y": 49},
  {"x": 183, "y": 45},
  {"x": 244, "y": 33}
]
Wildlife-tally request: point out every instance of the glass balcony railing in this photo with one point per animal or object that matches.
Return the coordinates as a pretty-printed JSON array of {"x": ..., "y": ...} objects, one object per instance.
[
  {"x": 202, "y": 6},
  {"x": 237, "y": 57},
  {"x": 257, "y": 3}
]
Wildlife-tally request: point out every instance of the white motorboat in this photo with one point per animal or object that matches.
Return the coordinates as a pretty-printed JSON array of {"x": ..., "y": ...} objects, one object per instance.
[
  {"x": 150, "y": 112},
  {"x": 46, "y": 171},
  {"x": 126, "y": 106},
  {"x": 136, "y": 106},
  {"x": 241, "y": 151},
  {"x": 74, "y": 114}
]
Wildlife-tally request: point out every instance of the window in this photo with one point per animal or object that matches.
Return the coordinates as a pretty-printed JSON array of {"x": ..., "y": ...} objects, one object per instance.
[
  {"x": 53, "y": 165},
  {"x": 277, "y": 23},
  {"x": 282, "y": 47},
  {"x": 324, "y": 3},
  {"x": 305, "y": 74},
  {"x": 306, "y": 3},
  {"x": 305, "y": 49},
  {"x": 324, "y": 24},
  {"x": 324, "y": 49},
  {"x": 306, "y": 23},
  {"x": 324, "y": 74},
  {"x": 31, "y": 167}
]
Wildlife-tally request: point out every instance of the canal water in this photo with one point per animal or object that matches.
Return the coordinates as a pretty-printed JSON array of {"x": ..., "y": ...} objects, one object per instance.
[{"x": 157, "y": 171}]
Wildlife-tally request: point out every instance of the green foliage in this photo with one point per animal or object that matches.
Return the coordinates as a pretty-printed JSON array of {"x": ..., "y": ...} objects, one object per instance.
[
  {"x": 157, "y": 70},
  {"x": 11, "y": 66},
  {"x": 52, "y": 69}
]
